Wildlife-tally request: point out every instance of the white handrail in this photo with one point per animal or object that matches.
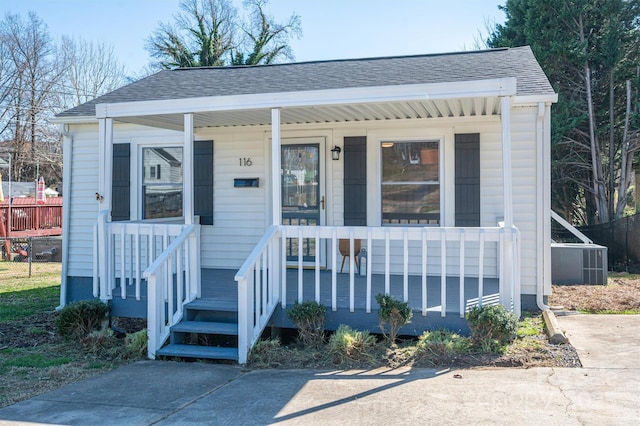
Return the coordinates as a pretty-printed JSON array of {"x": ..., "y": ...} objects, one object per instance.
[
  {"x": 569, "y": 227},
  {"x": 179, "y": 257},
  {"x": 258, "y": 275}
]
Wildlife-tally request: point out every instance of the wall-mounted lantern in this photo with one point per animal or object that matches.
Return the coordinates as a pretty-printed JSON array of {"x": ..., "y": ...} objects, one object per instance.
[{"x": 335, "y": 153}]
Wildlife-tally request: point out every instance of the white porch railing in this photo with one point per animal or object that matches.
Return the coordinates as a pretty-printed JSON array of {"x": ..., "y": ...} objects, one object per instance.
[
  {"x": 173, "y": 280},
  {"x": 260, "y": 280},
  {"x": 401, "y": 251},
  {"x": 166, "y": 255}
]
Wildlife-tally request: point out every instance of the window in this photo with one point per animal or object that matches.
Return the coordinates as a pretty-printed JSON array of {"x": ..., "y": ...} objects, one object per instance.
[
  {"x": 410, "y": 183},
  {"x": 162, "y": 192}
]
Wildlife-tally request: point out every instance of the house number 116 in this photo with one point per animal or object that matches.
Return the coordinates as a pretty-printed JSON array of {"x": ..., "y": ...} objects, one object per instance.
[{"x": 246, "y": 162}]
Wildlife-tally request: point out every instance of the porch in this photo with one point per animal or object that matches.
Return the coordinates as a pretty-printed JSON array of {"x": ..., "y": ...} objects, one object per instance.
[
  {"x": 219, "y": 285},
  {"x": 162, "y": 264}
]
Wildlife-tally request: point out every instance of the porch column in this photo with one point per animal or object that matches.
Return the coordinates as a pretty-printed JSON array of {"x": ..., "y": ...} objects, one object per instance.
[
  {"x": 187, "y": 170},
  {"x": 509, "y": 279},
  {"x": 105, "y": 162},
  {"x": 275, "y": 168},
  {"x": 505, "y": 119}
]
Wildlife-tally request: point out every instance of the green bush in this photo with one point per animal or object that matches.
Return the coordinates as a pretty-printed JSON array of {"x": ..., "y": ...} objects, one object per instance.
[
  {"x": 78, "y": 319},
  {"x": 441, "y": 346},
  {"x": 102, "y": 342},
  {"x": 136, "y": 344},
  {"x": 309, "y": 318},
  {"x": 393, "y": 314},
  {"x": 347, "y": 344},
  {"x": 492, "y": 327}
]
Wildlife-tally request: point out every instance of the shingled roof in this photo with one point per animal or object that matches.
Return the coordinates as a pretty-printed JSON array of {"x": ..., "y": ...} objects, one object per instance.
[{"x": 184, "y": 83}]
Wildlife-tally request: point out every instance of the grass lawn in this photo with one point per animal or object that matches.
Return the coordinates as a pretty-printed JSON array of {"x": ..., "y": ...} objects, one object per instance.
[
  {"x": 21, "y": 296},
  {"x": 33, "y": 357}
]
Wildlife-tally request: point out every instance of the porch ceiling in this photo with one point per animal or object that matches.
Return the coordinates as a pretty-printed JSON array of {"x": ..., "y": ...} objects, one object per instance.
[{"x": 459, "y": 107}]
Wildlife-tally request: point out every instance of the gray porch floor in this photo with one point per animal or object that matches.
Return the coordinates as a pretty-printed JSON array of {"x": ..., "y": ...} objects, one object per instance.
[{"x": 219, "y": 284}]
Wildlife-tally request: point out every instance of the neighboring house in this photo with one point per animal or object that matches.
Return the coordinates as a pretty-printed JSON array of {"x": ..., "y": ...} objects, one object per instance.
[{"x": 437, "y": 165}]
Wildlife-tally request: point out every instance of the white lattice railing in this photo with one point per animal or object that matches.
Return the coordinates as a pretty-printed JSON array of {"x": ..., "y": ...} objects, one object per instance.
[{"x": 404, "y": 251}]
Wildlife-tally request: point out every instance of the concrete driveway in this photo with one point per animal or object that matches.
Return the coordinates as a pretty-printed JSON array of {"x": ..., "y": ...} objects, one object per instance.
[{"x": 170, "y": 393}]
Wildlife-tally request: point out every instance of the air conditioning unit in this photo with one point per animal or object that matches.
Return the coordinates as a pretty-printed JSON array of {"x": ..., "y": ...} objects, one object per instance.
[{"x": 578, "y": 263}]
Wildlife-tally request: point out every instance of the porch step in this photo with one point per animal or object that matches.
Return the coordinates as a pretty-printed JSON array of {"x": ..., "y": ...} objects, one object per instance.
[
  {"x": 212, "y": 305},
  {"x": 209, "y": 329},
  {"x": 194, "y": 351},
  {"x": 206, "y": 327}
]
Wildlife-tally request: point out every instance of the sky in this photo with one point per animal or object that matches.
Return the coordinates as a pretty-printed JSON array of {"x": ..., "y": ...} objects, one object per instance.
[{"x": 331, "y": 29}]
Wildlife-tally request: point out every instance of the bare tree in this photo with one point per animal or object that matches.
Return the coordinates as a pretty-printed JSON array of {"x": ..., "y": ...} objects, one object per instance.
[
  {"x": 39, "y": 79},
  {"x": 35, "y": 71},
  {"x": 91, "y": 70}
]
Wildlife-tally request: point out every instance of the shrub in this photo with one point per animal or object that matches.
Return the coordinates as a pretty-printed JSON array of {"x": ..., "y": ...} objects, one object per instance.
[
  {"x": 393, "y": 314},
  {"x": 492, "y": 327},
  {"x": 441, "y": 346},
  {"x": 309, "y": 318},
  {"x": 349, "y": 344},
  {"x": 103, "y": 343},
  {"x": 78, "y": 319},
  {"x": 136, "y": 344}
]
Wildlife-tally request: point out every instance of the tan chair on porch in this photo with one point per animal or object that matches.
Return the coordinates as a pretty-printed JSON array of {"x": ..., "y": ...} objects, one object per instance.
[{"x": 343, "y": 246}]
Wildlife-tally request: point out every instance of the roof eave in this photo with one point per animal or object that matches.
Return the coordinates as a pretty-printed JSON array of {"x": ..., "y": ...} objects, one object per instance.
[
  {"x": 551, "y": 98},
  {"x": 357, "y": 95}
]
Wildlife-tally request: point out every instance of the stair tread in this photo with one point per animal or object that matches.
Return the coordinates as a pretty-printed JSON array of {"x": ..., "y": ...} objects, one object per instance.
[
  {"x": 213, "y": 305},
  {"x": 194, "y": 351},
  {"x": 206, "y": 327}
]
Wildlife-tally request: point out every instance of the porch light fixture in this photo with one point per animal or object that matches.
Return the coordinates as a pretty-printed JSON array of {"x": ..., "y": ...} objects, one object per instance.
[
  {"x": 335, "y": 153},
  {"x": 387, "y": 144}
]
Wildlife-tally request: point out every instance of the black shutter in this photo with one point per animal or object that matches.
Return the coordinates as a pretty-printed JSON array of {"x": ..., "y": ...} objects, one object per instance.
[
  {"x": 121, "y": 182},
  {"x": 355, "y": 181},
  {"x": 467, "y": 178},
  {"x": 203, "y": 181}
]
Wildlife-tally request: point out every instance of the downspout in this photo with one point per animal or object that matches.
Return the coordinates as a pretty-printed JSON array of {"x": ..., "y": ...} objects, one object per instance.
[
  {"x": 540, "y": 189},
  {"x": 67, "y": 147}
]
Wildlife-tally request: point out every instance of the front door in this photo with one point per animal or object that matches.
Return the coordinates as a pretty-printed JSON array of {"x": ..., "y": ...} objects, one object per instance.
[{"x": 302, "y": 194}]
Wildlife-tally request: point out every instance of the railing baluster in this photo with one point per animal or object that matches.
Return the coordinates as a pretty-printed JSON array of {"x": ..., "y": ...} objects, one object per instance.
[
  {"x": 123, "y": 263},
  {"x": 138, "y": 265},
  {"x": 352, "y": 268},
  {"x": 462, "y": 259},
  {"x": 317, "y": 266},
  {"x": 96, "y": 268},
  {"x": 263, "y": 284},
  {"x": 405, "y": 277},
  {"x": 369, "y": 270},
  {"x": 387, "y": 254},
  {"x": 424, "y": 271},
  {"x": 300, "y": 266},
  {"x": 283, "y": 269},
  {"x": 481, "y": 270},
  {"x": 443, "y": 273},
  {"x": 502, "y": 265},
  {"x": 334, "y": 269},
  {"x": 179, "y": 279}
]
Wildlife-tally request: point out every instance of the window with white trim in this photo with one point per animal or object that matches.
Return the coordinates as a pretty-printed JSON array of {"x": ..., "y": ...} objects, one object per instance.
[
  {"x": 162, "y": 190},
  {"x": 410, "y": 184}
]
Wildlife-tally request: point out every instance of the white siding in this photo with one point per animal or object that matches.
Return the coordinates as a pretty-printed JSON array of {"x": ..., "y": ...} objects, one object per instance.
[
  {"x": 241, "y": 215},
  {"x": 82, "y": 199}
]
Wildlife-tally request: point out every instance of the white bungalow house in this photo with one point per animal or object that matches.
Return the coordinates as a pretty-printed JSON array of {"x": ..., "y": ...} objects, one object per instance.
[{"x": 210, "y": 199}]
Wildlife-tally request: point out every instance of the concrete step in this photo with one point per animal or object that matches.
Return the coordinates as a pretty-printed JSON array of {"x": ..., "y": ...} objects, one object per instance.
[
  {"x": 193, "y": 351},
  {"x": 205, "y": 327}
]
